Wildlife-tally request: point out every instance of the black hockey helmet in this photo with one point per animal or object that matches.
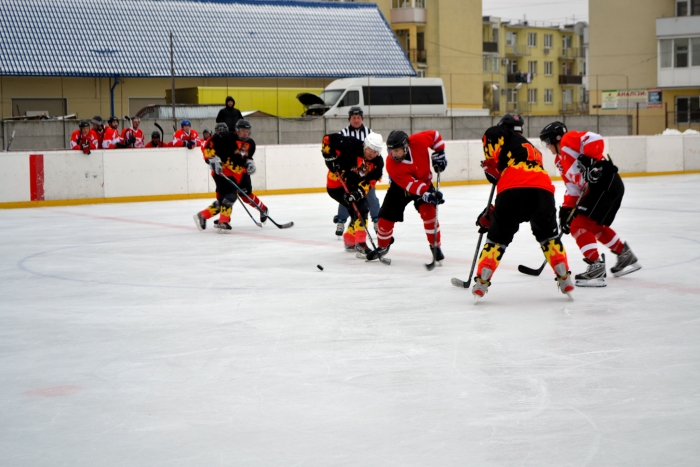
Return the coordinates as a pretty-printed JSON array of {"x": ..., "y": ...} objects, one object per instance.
[
  {"x": 96, "y": 120},
  {"x": 243, "y": 125},
  {"x": 83, "y": 124},
  {"x": 552, "y": 133},
  {"x": 355, "y": 110},
  {"x": 155, "y": 134},
  {"x": 221, "y": 127},
  {"x": 112, "y": 119},
  {"x": 206, "y": 130},
  {"x": 397, "y": 139},
  {"x": 512, "y": 122}
]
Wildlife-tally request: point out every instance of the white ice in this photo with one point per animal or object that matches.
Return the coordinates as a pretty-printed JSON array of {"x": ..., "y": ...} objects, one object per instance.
[{"x": 128, "y": 337}]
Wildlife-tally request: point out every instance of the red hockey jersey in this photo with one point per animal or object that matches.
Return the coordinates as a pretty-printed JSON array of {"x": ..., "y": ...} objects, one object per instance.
[
  {"x": 180, "y": 138},
  {"x": 414, "y": 174},
  {"x": 111, "y": 138},
  {"x": 573, "y": 144},
  {"x": 76, "y": 140},
  {"x": 137, "y": 134}
]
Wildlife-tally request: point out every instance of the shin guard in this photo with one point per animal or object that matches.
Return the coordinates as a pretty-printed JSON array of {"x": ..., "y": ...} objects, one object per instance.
[
  {"x": 384, "y": 232},
  {"x": 428, "y": 214},
  {"x": 490, "y": 257},
  {"x": 555, "y": 254}
]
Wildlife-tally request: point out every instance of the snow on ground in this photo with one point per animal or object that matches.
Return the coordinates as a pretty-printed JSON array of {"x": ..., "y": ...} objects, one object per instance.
[{"x": 128, "y": 337}]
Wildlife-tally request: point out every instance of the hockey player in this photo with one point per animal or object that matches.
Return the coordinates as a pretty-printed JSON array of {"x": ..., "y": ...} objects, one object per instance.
[
  {"x": 185, "y": 136},
  {"x": 230, "y": 154},
  {"x": 358, "y": 130},
  {"x": 84, "y": 139},
  {"x": 98, "y": 128},
  {"x": 524, "y": 194},
  {"x": 358, "y": 165},
  {"x": 155, "y": 141},
  {"x": 111, "y": 139},
  {"x": 133, "y": 137},
  {"x": 580, "y": 160},
  {"x": 206, "y": 134},
  {"x": 408, "y": 166}
]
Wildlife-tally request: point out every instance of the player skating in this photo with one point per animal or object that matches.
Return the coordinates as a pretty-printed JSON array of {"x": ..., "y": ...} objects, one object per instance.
[
  {"x": 230, "y": 156},
  {"x": 524, "y": 194},
  {"x": 408, "y": 166},
  {"x": 580, "y": 160},
  {"x": 353, "y": 167}
]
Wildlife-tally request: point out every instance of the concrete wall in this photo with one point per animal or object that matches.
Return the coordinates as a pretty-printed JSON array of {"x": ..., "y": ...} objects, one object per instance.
[
  {"x": 53, "y": 134},
  {"x": 72, "y": 175}
]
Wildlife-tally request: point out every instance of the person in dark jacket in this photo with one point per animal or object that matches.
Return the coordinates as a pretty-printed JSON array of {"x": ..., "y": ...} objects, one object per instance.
[{"x": 229, "y": 114}]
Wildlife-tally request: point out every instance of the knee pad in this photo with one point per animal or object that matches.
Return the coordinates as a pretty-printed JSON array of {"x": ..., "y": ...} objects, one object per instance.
[{"x": 227, "y": 202}]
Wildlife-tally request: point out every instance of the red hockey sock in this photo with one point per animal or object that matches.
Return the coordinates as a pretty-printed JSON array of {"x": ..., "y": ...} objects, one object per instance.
[
  {"x": 609, "y": 238},
  {"x": 385, "y": 229},
  {"x": 427, "y": 213},
  {"x": 253, "y": 201},
  {"x": 583, "y": 229}
]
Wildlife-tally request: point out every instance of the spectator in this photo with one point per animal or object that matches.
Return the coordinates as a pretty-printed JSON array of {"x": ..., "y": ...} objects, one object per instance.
[
  {"x": 133, "y": 136},
  {"x": 111, "y": 139},
  {"x": 185, "y": 136},
  {"x": 155, "y": 141},
  {"x": 229, "y": 114},
  {"x": 83, "y": 139},
  {"x": 99, "y": 128}
]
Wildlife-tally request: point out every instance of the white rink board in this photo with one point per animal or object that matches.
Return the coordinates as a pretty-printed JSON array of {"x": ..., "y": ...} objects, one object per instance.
[
  {"x": 73, "y": 175},
  {"x": 141, "y": 172},
  {"x": 131, "y": 338},
  {"x": 14, "y": 178}
]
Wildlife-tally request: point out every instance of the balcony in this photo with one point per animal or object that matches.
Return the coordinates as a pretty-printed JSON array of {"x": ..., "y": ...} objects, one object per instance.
[
  {"x": 571, "y": 79},
  {"x": 518, "y": 107},
  {"x": 677, "y": 26},
  {"x": 572, "y": 53},
  {"x": 518, "y": 78},
  {"x": 574, "y": 108},
  {"x": 407, "y": 11},
  {"x": 417, "y": 56},
  {"x": 491, "y": 47},
  {"x": 517, "y": 51}
]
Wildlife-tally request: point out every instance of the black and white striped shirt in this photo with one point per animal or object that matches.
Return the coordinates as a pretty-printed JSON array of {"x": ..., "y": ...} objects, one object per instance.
[{"x": 359, "y": 133}]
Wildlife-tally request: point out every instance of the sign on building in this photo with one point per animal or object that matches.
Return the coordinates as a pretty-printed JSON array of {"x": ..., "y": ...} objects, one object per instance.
[{"x": 628, "y": 99}]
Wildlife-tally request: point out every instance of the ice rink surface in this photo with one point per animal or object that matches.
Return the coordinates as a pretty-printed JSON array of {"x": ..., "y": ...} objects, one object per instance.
[{"x": 128, "y": 337}]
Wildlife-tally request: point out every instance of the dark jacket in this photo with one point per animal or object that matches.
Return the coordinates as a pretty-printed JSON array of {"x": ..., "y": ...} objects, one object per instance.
[{"x": 229, "y": 116}]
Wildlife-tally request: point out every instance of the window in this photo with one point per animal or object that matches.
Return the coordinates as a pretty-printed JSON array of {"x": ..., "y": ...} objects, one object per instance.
[
  {"x": 513, "y": 66},
  {"x": 695, "y": 50},
  {"x": 548, "y": 40},
  {"x": 512, "y": 96},
  {"x": 687, "y": 109},
  {"x": 566, "y": 42},
  {"x": 350, "y": 98},
  {"x": 695, "y": 7},
  {"x": 548, "y": 95},
  {"x": 56, "y": 107},
  {"x": 511, "y": 38},
  {"x": 567, "y": 68},
  {"x": 548, "y": 68},
  {"x": 532, "y": 67},
  {"x": 531, "y": 39},
  {"x": 402, "y": 95},
  {"x": 682, "y": 8},
  {"x": 567, "y": 96},
  {"x": 681, "y": 53},
  {"x": 532, "y": 96},
  {"x": 491, "y": 63}
]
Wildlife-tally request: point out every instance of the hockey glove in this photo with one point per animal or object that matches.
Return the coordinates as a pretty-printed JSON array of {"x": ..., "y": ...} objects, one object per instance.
[
  {"x": 85, "y": 146},
  {"x": 215, "y": 164},
  {"x": 250, "y": 166},
  {"x": 565, "y": 219},
  {"x": 484, "y": 219},
  {"x": 354, "y": 196},
  {"x": 490, "y": 167},
  {"x": 130, "y": 142},
  {"x": 333, "y": 165},
  {"x": 439, "y": 161},
  {"x": 433, "y": 197},
  {"x": 189, "y": 144}
]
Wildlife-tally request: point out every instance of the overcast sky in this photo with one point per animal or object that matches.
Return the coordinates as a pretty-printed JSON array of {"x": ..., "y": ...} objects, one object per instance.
[{"x": 553, "y": 11}]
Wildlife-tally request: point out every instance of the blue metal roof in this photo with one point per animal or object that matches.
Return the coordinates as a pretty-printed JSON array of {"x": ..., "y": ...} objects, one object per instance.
[{"x": 212, "y": 38}]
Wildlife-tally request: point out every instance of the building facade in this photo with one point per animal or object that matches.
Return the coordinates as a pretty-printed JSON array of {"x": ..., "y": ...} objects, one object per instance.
[{"x": 534, "y": 68}]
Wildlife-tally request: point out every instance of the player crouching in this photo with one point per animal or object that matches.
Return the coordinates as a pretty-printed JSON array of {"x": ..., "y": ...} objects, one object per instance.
[
  {"x": 353, "y": 169},
  {"x": 230, "y": 157}
]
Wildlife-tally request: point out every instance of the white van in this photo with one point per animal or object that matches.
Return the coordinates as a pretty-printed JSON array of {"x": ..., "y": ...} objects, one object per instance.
[{"x": 378, "y": 97}]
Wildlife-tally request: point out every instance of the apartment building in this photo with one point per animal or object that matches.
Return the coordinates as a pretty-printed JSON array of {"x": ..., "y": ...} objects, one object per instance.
[
  {"x": 647, "y": 65},
  {"x": 533, "y": 68}
]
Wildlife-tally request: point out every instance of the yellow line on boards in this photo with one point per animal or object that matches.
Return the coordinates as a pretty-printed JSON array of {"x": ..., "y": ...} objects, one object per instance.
[{"x": 289, "y": 191}]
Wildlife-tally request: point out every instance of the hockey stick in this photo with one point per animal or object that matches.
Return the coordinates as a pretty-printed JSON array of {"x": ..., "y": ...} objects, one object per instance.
[
  {"x": 11, "y": 139},
  {"x": 131, "y": 127},
  {"x": 259, "y": 224},
  {"x": 386, "y": 261},
  {"x": 538, "y": 271},
  {"x": 460, "y": 283},
  {"x": 431, "y": 266},
  {"x": 279, "y": 226},
  {"x": 162, "y": 133}
]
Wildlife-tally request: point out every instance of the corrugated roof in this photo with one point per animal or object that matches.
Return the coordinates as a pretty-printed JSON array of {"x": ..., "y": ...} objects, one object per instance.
[{"x": 213, "y": 38}]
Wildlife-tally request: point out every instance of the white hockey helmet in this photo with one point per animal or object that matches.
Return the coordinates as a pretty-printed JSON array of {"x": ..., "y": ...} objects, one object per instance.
[{"x": 374, "y": 141}]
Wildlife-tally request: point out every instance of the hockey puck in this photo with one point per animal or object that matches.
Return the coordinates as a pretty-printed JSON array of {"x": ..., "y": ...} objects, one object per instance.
[{"x": 319, "y": 267}]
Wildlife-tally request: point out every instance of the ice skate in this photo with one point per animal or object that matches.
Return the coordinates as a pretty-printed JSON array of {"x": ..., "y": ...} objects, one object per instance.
[
  {"x": 377, "y": 254},
  {"x": 564, "y": 282},
  {"x": 437, "y": 254},
  {"x": 263, "y": 216},
  {"x": 362, "y": 250},
  {"x": 481, "y": 284},
  {"x": 626, "y": 263},
  {"x": 339, "y": 229},
  {"x": 350, "y": 248},
  {"x": 594, "y": 275},
  {"x": 200, "y": 221},
  {"x": 223, "y": 227}
]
